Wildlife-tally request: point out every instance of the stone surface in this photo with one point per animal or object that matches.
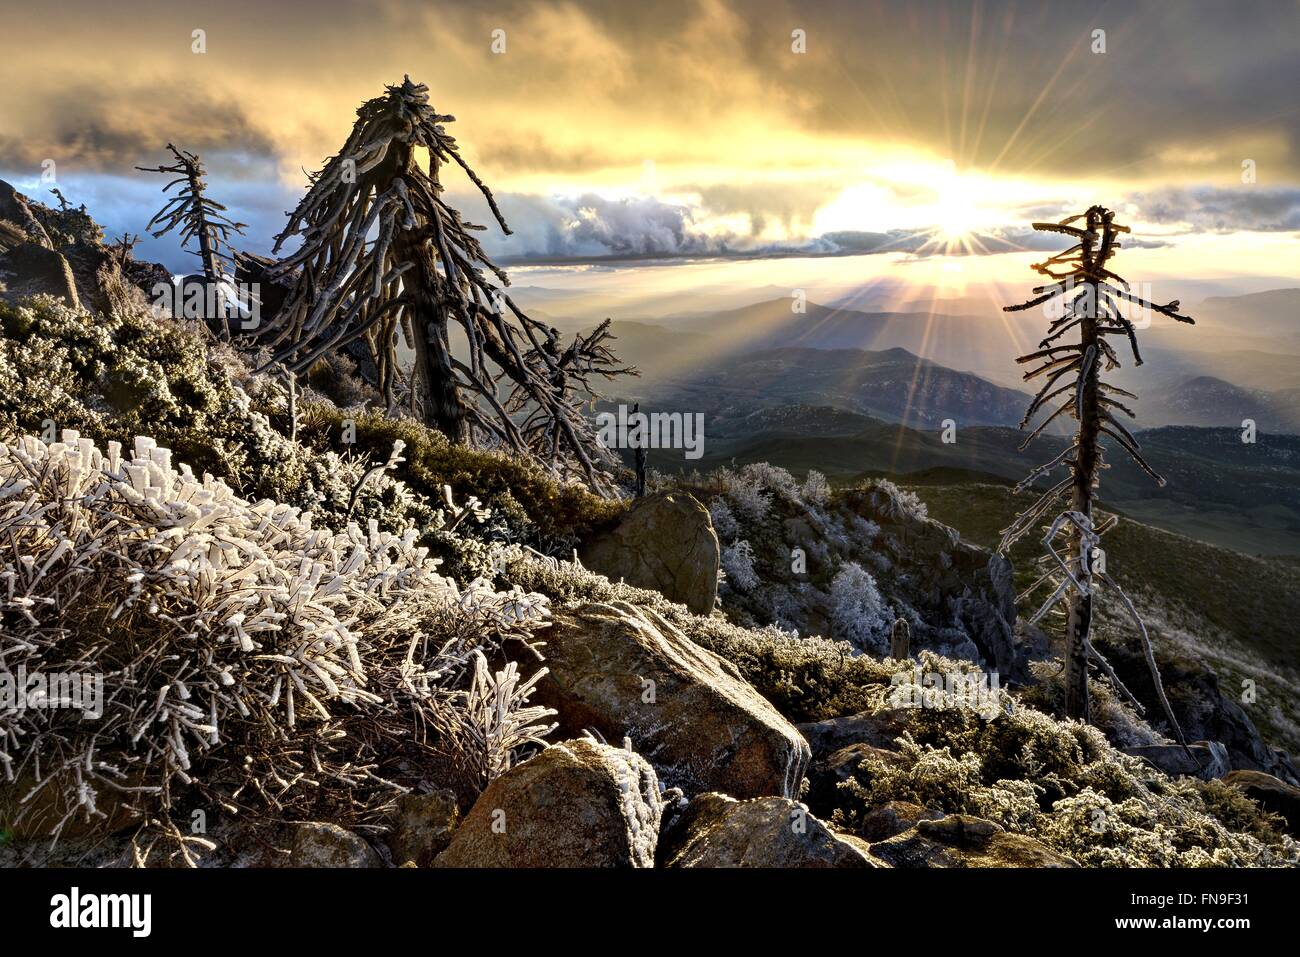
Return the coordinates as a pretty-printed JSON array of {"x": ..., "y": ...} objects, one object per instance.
[
  {"x": 893, "y": 817},
  {"x": 952, "y": 585},
  {"x": 14, "y": 209},
  {"x": 960, "y": 840},
  {"x": 30, "y": 269},
  {"x": 576, "y": 804},
  {"x": 719, "y": 831},
  {"x": 328, "y": 845},
  {"x": 666, "y": 543},
  {"x": 879, "y": 730},
  {"x": 423, "y": 827},
  {"x": 1205, "y": 709},
  {"x": 1208, "y": 759},
  {"x": 625, "y": 672},
  {"x": 1271, "y": 794}
]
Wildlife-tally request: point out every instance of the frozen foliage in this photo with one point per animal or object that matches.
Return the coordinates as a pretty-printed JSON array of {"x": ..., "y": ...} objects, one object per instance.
[
  {"x": 816, "y": 490},
  {"x": 491, "y": 720},
  {"x": 858, "y": 614},
  {"x": 900, "y": 501},
  {"x": 724, "y": 521},
  {"x": 222, "y": 626},
  {"x": 738, "y": 563},
  {"x": 1061, "y": 783}
]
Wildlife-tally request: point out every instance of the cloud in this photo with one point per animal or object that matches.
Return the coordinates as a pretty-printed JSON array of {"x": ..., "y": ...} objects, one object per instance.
[
  {"x": 1247, "y": 207},
  {"x": 601, "y": 84}
]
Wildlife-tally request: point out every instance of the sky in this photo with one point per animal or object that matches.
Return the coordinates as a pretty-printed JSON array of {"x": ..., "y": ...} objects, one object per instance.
[{"x": 866, "y": 141}]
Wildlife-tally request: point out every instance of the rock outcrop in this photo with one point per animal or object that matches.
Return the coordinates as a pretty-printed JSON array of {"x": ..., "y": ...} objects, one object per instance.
[
  {"x": 30, "y": 269},
  {"x": 1204, "y": 759},
  {"x": 719, "y": 831},
  {"x": 665, "y": 542},
  {"x": 1271, "y": 794},
  {"x": 576, "y": 804},
  {"x": 625, "y": 672}
]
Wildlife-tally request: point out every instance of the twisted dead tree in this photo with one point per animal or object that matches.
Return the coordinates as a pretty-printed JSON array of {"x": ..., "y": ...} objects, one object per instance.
[
  {"x": 199, "y": 218},
  {"x": 1073, "y": 375},
  {"x": 385, "y": 259}
]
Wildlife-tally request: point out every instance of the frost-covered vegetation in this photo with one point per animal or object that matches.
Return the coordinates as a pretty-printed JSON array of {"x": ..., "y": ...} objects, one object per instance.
[
  {"x": 113, "y": 377},
  {"x": 1063, "y": 784},
  {"x": 288, "y": 630},
  {"x": 245, "y": 652}
]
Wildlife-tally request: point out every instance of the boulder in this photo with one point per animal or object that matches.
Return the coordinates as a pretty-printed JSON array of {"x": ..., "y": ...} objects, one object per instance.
[
  {"x": 576, "y": 804},
  {"x": 880, "y": 730},
  {"x": 893, "y": 817},
  {"x": 626, "y": 672},
  {"x": 665, "y": 542},
  {"x": 422, "y": 827},
  {"x": 30, "y": 269},
  {"x": 1205, "y": 709},
  {"x": 1271, "y": 794},
  {"x": 317, "y": 844},
  {"x": 959, "y": 840},
  {"x": 718, "y": 831},
  {"x": 1207, "y": 760}
]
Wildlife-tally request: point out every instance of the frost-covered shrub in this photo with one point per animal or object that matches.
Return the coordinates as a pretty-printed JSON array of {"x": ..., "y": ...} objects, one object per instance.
[
  {"x": 724, "y": 521},
  {"x": 747, "y": 494},
  {"x": 816, "y": 490},
  {"x": 738, "y": 563},
  {"x": 899, "y": 502},
  {"x": 858, "y": 614},
  {"x": 227, "y": 634}
]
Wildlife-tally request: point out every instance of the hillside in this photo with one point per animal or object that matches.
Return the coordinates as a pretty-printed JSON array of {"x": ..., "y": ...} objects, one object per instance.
[
  {"x": 1221, "y": 490},
  {"x": 356, "y": 643}
]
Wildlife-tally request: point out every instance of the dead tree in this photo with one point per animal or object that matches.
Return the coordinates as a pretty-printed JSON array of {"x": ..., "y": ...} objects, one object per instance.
[
  {"x": 199, "y": 218},
  {"x": 1073, "y": 374},
  {"x": 384, "y": 256}
]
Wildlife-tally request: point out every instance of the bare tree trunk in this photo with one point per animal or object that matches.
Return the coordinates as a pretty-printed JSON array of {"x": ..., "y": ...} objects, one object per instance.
[
  {"x": 443, "y": 407},
  {"x": 1079, "y": 622}
]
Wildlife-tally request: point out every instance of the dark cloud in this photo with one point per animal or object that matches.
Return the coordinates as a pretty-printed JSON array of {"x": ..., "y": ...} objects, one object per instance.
[{"x": 1247, "y": 207}]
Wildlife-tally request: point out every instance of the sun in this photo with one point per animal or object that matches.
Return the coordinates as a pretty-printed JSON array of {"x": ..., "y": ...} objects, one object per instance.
[{"x": 956, "y": 213}]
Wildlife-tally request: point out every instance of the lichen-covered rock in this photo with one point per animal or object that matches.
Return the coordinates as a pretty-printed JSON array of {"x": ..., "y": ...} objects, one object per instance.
[
  {"x": 1207, "y": 759},
  {"x": 423, "y": 826},
  {"x": 1271, "y": 794},
  {"x": 718, "y": 831},
  {"x": 960, "y": 840},
  {"x": 317, "y": 844},
  {"x": 665, "y": 542},
  {"x": 576, "y": 804},
  {"x": 627, "y": 672}
]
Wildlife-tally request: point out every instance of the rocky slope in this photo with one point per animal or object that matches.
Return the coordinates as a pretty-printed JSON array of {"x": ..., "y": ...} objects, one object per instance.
[{"x": 514, "y": 706}]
